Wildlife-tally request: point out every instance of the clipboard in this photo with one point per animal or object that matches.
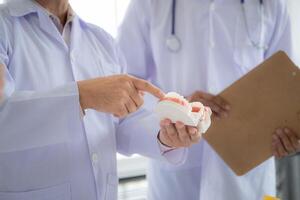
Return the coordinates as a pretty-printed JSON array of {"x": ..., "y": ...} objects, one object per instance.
[{"x": 266, "y": 98}]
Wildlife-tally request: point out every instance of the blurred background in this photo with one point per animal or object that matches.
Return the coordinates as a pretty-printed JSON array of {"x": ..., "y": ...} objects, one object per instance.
[{"x": 108, "y": 15}]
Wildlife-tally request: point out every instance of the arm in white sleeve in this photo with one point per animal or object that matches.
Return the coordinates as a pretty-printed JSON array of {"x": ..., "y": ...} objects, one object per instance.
[
  {"x": 281, "y": 37},
  {"x": 138, "y": 134}
]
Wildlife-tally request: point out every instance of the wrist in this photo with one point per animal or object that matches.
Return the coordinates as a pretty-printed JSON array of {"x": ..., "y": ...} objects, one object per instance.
[
  {"x": 82, "y": 95},
  {"x": 162, "y": 142}
]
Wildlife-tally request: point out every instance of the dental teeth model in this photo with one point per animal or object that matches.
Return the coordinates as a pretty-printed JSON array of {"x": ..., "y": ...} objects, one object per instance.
[{"x": 177, "y": 108}]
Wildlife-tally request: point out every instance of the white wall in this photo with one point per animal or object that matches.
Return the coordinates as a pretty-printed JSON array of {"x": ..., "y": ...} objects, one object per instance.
[{"x": 105, "y": 13}]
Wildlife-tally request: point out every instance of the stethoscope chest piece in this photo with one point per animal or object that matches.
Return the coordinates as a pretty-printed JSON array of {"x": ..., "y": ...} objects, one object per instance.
[{"x": 173, "y": 43}]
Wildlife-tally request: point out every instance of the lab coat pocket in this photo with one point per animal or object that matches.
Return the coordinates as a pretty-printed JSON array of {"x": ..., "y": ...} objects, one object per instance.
[
  {"x": 58, "y": 192},
  {"x": 111, "y": 186}
]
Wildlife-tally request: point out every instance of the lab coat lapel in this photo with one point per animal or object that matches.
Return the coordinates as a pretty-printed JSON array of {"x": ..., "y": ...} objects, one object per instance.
[
  {"x": 49, "y": 28},
  {"x": 76, "y": 42},
  {"x": 21, "y": 8},
  {"x": 76, "y": 31}
]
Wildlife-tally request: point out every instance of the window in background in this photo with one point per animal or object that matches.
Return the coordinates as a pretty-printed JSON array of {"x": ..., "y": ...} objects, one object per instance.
[{"x": 106, "y": 14}]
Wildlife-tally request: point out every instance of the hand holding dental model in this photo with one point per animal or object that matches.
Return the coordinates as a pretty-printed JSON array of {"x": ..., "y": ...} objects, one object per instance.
[{"x": 177, "y": 109}]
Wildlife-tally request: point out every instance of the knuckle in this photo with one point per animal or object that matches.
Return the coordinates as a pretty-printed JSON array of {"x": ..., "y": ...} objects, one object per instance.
[{"x": 120, "y": 109}]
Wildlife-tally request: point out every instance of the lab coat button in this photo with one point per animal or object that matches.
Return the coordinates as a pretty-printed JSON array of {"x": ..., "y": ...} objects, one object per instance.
[{"x": 95, "y": 158}]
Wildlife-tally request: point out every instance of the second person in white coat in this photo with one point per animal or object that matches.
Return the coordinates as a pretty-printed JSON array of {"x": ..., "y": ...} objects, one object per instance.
[{"x": 218, "y": 42}]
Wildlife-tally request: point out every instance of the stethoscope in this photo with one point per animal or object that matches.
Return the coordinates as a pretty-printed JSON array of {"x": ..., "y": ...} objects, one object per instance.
[{"x": 173, "y": 42}]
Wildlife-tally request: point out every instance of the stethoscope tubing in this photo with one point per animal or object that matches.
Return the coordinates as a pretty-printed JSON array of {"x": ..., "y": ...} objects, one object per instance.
[
  {"x": 174, "y": 6},
  {"x": 174, "y": 37}
]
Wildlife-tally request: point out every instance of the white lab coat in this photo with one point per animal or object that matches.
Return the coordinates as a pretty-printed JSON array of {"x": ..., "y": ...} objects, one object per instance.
[
  {"x": 216, "y": 51},
  {"x": 47, "y": 150}
]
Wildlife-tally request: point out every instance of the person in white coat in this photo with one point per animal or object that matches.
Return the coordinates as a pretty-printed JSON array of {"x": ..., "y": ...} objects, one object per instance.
[
  {"x": 65, "y": 110},
  {"x": 198, "y": 48}
]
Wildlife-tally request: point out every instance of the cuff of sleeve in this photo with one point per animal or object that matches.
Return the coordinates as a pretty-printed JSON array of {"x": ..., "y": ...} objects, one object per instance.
[{"x": 176, "y": 156}]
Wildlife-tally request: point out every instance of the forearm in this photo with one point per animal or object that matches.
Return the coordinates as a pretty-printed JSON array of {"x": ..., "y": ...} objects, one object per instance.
[{"x": 139, "y": 134}]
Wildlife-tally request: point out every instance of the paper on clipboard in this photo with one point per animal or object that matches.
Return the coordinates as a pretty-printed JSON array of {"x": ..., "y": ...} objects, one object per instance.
[{"x": 266, "y": 98}]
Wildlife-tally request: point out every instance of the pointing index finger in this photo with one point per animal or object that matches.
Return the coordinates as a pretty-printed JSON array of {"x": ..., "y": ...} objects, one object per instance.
[{"x": 146, "y": 86}]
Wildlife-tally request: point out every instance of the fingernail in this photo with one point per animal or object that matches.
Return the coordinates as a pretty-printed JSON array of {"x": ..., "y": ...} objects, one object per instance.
[
  {"x": 278, "y": 131},
  {"x": 286, "y": 130},
  {"x": 227, "y": 107}
]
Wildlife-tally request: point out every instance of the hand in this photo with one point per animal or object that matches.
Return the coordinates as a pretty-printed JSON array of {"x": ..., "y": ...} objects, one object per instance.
[
  {"x": 1, "y": 80},
  {"x": 285, "y": 142},
  {"x": 177, "y": 135},
  {"x": 119, "y": 95},
  {"x": 217, "y": 104}
]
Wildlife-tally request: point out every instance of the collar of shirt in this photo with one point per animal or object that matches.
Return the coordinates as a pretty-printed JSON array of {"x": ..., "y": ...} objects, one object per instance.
[
  {"x": 20, "y": 8},
  {"x": 65, "y": 30},
  {"x": 56, "y": 20}
]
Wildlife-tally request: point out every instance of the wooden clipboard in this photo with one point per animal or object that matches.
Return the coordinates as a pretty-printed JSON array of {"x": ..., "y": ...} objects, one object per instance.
[{"x": 266, "y": 98}]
